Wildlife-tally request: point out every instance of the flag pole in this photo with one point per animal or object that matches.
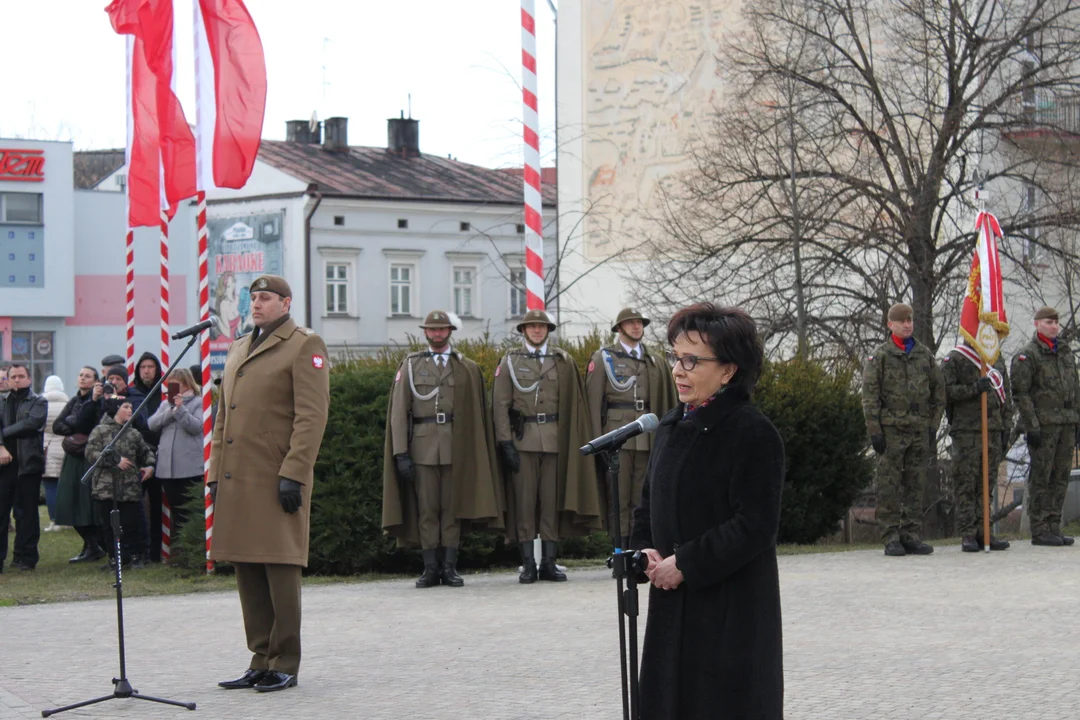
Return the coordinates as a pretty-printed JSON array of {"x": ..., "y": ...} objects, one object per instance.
[
  {"x": 534, "y": 203},
  {"x": 985, "y": 462}
]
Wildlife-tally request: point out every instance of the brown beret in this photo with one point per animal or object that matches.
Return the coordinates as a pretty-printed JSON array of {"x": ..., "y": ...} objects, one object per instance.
[
  {"x": 900, "y": 312},
  {"x": 272, "y": 283},
  {"x": 1046, "y": 313}
]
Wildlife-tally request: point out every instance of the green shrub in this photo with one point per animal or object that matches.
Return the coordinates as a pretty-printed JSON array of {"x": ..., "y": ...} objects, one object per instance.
[{"x": 820, "y": 418}]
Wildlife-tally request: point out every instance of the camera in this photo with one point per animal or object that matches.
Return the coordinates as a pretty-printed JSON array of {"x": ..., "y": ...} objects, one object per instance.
[{"x": 108, "y": 389}]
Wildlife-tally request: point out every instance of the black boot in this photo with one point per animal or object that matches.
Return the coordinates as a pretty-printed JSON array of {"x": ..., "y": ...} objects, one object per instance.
[
  {"x": 431, "y": 575},
  {"x": 81, "y": 557},
  {"x": 548, "y": 569},
  {"x": 528, "y": 564},
  {"x": 449, "y": 569},
  {"x": 969, "y": 544}
]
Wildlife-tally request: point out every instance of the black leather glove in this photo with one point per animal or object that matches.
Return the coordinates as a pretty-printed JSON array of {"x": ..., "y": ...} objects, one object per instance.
[
  {"x": 983, "y": 385},
  {"x": 1004, "y": 441},
  {"x": 1034, "y": 439},
  {"x": 213, "y": 491},
  {"x": 289, "y": 495},
  {"x": 931, "y": 436},
  {"x": 878, "y": 443},
  {"x": 109, "y": 458},
  {"x": 510, "y": 456},
  {"x": 404, "y": 464}
]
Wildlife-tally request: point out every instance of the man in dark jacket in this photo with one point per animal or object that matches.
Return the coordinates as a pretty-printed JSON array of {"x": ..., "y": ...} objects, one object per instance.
[
  {"x": 22, "y": 460},
  {"x": 147, "y": 373}
]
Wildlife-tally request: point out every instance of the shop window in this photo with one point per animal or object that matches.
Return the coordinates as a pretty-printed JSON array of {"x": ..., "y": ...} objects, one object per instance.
[
  {"x": 22, "y": 208},
  {"x": 35, "y": 350}
]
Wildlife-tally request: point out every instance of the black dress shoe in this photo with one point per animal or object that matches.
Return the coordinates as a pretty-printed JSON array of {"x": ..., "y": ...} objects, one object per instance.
[
  {"x": 22, "y": 566},
  {"x": 247, "y": 680},
  {"x": 274, "y": 680}
]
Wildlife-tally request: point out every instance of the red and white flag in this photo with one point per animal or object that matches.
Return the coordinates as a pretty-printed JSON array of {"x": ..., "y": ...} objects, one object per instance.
[
  {"x": 161, "y": 146},
  {"x": 982, "y": 318},
  {"x": 230, "y": 88}
]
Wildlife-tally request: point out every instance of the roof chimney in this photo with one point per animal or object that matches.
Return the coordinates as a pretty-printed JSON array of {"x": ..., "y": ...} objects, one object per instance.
[
  {"x": 336, "y": 134},
  {"x": 403, "y": 136},
  {"x": 300, "y": 131}
]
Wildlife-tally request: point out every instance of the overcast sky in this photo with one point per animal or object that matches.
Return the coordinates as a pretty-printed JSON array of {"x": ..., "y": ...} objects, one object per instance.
[{"x": 64, "y": 72}]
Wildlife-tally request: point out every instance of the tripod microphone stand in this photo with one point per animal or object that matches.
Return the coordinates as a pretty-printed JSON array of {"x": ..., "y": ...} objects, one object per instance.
[{"x": 109, "y": 456}]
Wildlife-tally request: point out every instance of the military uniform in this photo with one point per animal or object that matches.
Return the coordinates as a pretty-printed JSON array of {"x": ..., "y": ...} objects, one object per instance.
[
  {"x": 437, "y": 402},
  {"x": 1046, "y": 390},
  {"x": 903, "y": 396},
  {"x": 963, "y": 408},
  {"x": 621, "y": 385},
  {"x": 540, "y": 421}
]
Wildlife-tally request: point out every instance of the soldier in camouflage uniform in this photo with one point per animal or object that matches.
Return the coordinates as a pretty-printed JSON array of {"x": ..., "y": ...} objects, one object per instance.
[
  {"x": 903, "y": 398},
  {"x": 964, "y": 386},
  {"x": 131, "y": 463},
  {"x": 1046, "y": 390}
]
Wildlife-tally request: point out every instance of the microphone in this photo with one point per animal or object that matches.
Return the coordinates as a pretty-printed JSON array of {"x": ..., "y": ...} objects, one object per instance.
[
  {"x": 644, "y": 424},
  {"x": 193, "y": 330}
]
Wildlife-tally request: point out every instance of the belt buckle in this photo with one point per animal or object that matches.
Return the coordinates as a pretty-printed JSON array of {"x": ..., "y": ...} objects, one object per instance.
[
  {"x": 541, "y": 418},
  {"x": 440, "y": 418},
  {"x": 639, "y": 405}
]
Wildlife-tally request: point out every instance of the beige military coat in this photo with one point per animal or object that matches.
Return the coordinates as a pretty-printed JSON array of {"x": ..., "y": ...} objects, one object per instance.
[{"x": 271, "y": 417}]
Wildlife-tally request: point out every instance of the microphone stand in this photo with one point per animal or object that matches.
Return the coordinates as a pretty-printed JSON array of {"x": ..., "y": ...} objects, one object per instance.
[
  {"x": 121, "y": 685},
  {"x": 629, "y": 567}
]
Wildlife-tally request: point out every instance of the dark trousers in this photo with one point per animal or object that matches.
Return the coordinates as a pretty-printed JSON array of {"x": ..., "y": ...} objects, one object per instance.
[
  {"x": 180, "y": 491},
  {"x": 270, "y": 601},
  {"x": 129, "y": 528},
  {"x": 19, "y": 496},
  {"x": 150, "y": 528}
]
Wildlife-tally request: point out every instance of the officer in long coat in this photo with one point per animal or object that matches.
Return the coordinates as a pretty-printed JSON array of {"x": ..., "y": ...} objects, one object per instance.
[
  {"x": 624, "y": 381},
  {"x": 541, "y": 421},
  {"x": 440, "y": 478},
  {"x": 903, "y": 396},
  {"x": 1047, "y": 391},
  {"x": 275, "y": 395}
]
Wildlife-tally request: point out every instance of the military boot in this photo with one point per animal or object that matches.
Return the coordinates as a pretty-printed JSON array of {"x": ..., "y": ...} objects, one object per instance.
[
  {"x": 449, "y": 569},
  {"x": 914, "y": 546},
  {"x": 969, "y": 544},
  {"x": 1065, "y": 539},
  {"x": 548, "y": 569},
  {"x": 431, "y": 576},
  {"x": 893, "y": 548},
  {"x": 1048, "y": 539},
  {"x": 528, "y": 564},
  {"x": 995, "y": 543}
]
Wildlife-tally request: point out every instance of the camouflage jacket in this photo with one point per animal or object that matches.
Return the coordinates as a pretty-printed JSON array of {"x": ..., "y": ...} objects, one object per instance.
[
  {"x": 902, "y": 390},
  {"x": 131, "y": 446},
  {"x": 962, "y": 405},
  {"x": 1045, "y": 386}
]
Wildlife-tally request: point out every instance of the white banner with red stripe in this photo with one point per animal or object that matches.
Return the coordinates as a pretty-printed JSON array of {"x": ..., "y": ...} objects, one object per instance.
[
  {"x": 534, "y": 228},
  {"x": 983, "y": 323}
]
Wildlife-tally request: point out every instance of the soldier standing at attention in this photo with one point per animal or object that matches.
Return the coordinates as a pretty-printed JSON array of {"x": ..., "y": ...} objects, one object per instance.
[
  {"x": 625, "y": 381},
  {"x": 903, "y": 396},
  {"x": 1047, "y": 392},
  {"x": 275, "y": 396},
  {"x": 540, "y": 423},
  {"x": 440, "y": 477},
  {"x": 964, "y": 385}
]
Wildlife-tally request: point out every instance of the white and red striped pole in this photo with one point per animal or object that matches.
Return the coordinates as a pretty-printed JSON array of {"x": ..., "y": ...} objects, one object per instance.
[
  {"x": 207, "y": 398},
  {"x": 534, "y": 229},
  {"x": 166, "y": 538},
  {"x": 130, "y": 300}
]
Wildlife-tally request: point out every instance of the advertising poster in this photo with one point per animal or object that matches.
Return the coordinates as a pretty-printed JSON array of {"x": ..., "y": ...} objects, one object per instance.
[{"x": 241, "y": 248}]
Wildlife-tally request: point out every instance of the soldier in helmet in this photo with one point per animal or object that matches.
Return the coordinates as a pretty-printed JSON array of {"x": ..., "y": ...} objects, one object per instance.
[
  {"x": 439, "y": 474},
  {"x": 903, "y": 396},
  {"x": 540, "y": 423},
  {"x": 1046, "y": 390},
  {"x": 623, "y": 382}
]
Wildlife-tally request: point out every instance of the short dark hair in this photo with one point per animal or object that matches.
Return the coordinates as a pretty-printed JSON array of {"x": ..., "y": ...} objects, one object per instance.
[
  {"x": 14, "y": 365},
  {"x": 731, "y": 334}
]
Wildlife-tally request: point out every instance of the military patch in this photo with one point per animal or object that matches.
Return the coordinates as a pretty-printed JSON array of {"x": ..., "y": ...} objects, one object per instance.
[
  {"x": 592, "y": 365},
  {"x": 317, "y": 362},
  {"x": 1020, "y": 357},
  {"x": 870, "y": 358},
  {"x": 945, "y": 359}
]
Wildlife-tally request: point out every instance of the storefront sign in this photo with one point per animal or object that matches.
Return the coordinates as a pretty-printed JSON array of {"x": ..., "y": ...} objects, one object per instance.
[{"x": 22, "y": 165}]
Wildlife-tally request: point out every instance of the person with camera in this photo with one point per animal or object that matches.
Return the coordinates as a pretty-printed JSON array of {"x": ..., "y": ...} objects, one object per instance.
[
  {"x": 708, "y": 522},
  {"x": 74, "y": 505},
  {"x": 22, "y": 462},
  {"x": 178, "y": 424},
  {"x": 129, "y": 464}
]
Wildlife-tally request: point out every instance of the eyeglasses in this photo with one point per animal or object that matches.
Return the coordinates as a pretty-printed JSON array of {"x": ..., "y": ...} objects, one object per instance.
[{"x": 689, "y": 362}]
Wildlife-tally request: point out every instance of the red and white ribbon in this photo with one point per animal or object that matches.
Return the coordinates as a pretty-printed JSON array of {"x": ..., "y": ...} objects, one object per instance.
[{"x": 534, "y": 232}]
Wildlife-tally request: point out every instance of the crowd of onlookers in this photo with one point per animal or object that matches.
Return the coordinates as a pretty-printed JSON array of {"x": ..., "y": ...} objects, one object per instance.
[{"x": 50, "y": 438}]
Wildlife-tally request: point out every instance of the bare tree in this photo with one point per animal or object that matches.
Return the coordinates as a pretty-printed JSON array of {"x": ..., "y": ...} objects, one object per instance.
[{"x": 838, "y": 173}]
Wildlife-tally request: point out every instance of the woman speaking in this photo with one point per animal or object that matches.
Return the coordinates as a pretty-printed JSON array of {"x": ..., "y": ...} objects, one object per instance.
[{"x": 708, "y": 522}]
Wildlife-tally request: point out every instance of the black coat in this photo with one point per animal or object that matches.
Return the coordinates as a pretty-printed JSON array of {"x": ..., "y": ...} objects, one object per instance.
[
  {"x": 26, "y": 435},
  {"x": 713, "y": 647}
]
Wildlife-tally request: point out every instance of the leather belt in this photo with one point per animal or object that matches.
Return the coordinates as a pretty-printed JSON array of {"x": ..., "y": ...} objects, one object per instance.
[
  {"x": 638, "y": 405},
  {"x": 542, "y": 418},
  {"x": 437, "y": 418}
]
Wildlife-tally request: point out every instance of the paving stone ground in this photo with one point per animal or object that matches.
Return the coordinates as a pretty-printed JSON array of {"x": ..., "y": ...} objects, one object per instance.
[{"x": 950, "y": 636}]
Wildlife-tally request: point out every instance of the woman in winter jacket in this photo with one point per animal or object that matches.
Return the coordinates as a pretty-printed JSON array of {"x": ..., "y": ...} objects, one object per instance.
[
  {"x": 180, "y": 448},
  {"x": 73, "y": 504},
  {"x": 54, "y": 453}
]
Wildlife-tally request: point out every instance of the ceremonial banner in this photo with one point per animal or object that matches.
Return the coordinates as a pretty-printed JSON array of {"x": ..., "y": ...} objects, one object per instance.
[{"x": 982, "y": 318}]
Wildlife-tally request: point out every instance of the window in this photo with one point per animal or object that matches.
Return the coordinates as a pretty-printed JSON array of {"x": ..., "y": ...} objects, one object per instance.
[
  {"x": 520, "y": 227},
  {"x": 464, "y": 290},
  {"x": 20, "y": 208},
  {"x": 464, "y": 227},
  {"x": 337, "y": 289},
  {"x": 517, "y": 292},
  {"x": 35, "y": 350},
  {"x": 339, "y": 220},
  {"x": 403, "y": 224},
  {"x": 401, "y": 282}
]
